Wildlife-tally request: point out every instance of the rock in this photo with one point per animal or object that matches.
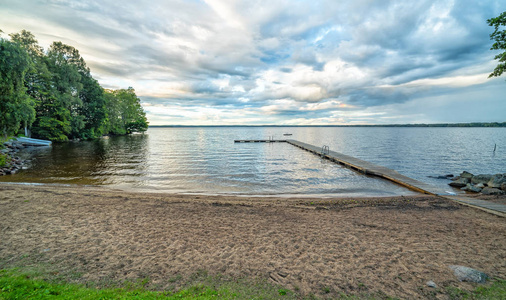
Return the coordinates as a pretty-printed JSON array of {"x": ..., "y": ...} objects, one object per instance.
[
  {"x": 503, "y": 186},
  {"x": 497, "y": 180},
  {"x": 480, "y": 185},
  {"x": 447, "y": 176},
  {"x": 466, "y": 174},
  {"x": 481, "y": 178},
  {"x": 492, "y": 191},
  {"x": 469, "y": 274},
  {"x": 462, "y": 182},
  {"x": 474, "y": 189},
  {"x": 431, "y": 284},
  {"x": 471, "y": 188}
]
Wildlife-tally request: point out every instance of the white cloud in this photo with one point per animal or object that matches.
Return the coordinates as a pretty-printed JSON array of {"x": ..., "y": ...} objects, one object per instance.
[{"x": 281, "y": 62}]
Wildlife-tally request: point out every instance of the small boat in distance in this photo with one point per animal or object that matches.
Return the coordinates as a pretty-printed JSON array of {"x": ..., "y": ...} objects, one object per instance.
[{"x": 287, "y": 134}]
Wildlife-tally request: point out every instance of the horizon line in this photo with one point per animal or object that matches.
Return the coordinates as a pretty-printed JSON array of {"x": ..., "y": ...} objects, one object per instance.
[{"x": 466, "y": 124}]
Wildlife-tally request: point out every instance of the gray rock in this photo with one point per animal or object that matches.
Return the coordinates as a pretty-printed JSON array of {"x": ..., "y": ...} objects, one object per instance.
[
  {"x": 471, "y": 188},
  {"x": 492, "y": 191},
  {"x": 503, "y": 186},
  {"x": 482, "y": 178},
  {"x": 431, "y": 284},
  {"x": 466, "y": 174},
  {"x": 474, "y": 189},
  {"x": 469, "y": 274},
  {"x": 480, "y": 185},
  {"x": 461, "y": 182},
  {"x": 497, "y": 180}
]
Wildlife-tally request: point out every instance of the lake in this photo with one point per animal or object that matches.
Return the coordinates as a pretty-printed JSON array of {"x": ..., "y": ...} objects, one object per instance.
[{"x": 206, "y": 160}]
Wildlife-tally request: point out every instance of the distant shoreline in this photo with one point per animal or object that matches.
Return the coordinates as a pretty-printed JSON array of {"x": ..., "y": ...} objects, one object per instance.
[{"x": 491, "y": 124}]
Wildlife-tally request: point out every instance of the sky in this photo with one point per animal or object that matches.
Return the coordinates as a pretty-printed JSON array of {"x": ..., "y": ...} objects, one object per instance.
[{"x": 283, "y": 62}]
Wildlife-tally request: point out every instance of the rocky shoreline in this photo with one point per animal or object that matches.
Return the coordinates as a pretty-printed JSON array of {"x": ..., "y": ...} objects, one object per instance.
[
  {"x": 14, "y": 163},
  {"x": 486, "y": 184}
]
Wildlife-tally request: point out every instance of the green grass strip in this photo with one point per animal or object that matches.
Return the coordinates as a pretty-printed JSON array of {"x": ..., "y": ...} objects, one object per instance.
[{"x": 19, "y": 286}]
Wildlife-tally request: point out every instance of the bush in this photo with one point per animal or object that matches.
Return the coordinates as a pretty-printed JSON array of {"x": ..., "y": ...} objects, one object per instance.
[{"x": 4, "y": 158}]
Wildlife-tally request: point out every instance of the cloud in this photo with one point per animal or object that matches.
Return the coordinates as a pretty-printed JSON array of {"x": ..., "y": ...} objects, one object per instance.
[{"x": 282, "y": 62}]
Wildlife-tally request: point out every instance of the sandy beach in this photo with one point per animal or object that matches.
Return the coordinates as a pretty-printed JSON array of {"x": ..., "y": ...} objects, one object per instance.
[{"x": 382, "y": 246}]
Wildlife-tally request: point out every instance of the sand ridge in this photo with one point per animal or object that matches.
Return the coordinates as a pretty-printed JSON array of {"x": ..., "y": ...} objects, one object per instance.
[{"x": 390, "y": 246}]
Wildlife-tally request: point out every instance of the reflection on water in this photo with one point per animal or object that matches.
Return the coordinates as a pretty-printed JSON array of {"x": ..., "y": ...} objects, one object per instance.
[
  {"x": 206, "y": 160},
  {"x": 86, "y": 162}
]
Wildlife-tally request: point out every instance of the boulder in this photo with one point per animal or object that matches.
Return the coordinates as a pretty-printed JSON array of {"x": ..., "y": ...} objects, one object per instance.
[
  {"x": 448, "y": 176},
  {"x": 469, "y": 274},
  {"x": 461, "y": 182},
  {"x": 466, "y": 174},
  {"x": 480, "y": 185},
  {"x": 481, "y": 178},
  {"x": 471, "y": 188},
  {"x": 492, "y": 191},
  {"x": 503, "y": 186},
  {"x": 497, "y": 180}
]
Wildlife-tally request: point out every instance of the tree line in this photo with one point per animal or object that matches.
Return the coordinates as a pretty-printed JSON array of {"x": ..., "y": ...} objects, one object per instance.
[{"x": 52, "y": 93}]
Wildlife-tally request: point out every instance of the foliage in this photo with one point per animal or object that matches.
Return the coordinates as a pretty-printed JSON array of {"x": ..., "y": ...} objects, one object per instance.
[
  {"x": 3, "y": 159},
  {"x": 499, "y": 36},
  {"x": 125, "y": 112},
  {"x": 15, "y": 105},
  {"x": 54, "y": 94}
]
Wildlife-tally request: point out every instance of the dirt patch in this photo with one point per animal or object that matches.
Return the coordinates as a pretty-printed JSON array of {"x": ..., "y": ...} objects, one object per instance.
[{"x": 387, "y": 246}]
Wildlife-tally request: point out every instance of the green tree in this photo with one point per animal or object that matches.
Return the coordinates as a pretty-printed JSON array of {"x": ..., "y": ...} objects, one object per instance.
[
  {"x": 93, "y": 109},
  {"x": 125, "y": 112},
  {"x": 16, "y": 106},
  {"x": 38, "y": 77},
  {"x": 499, "y": 36},
  {"x": 68, "y": 101}
]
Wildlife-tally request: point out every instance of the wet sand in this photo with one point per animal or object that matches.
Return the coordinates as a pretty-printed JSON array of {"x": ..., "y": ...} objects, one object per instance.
[{"x": 389, "y": 246}]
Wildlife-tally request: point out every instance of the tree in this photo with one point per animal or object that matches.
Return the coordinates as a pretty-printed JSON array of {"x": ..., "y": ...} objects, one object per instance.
[
  {"x": 68, "y": 101},
  {"x": 125, "y": 112},
  {"x": 16, "y": 106},
  {"x": 499, "y": 36},
  {"x": 93, "y": 109},
  {"x": 37, "y": 78}
]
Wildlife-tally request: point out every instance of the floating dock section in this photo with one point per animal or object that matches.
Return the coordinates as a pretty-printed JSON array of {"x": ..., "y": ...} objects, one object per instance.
[{"x": 371, "y": 169}]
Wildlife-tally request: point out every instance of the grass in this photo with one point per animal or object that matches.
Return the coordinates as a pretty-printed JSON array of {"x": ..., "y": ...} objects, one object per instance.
[
  {"x": 15, "y": 284},
  {"x": 496, "y": 290},
  {"x": 30, "y": 276},
  {"x": 19, "y": 286}
]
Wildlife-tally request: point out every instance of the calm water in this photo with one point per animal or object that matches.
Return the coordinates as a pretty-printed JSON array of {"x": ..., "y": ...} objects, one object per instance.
[{"x": 206, "y": 160}]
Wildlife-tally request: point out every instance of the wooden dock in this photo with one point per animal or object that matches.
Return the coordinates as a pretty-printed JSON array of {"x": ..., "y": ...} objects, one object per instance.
[
  {"x": 260, "y": 141},
  {"x": 388, "y": 174},
  {"x": 369, "y": 168}
]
